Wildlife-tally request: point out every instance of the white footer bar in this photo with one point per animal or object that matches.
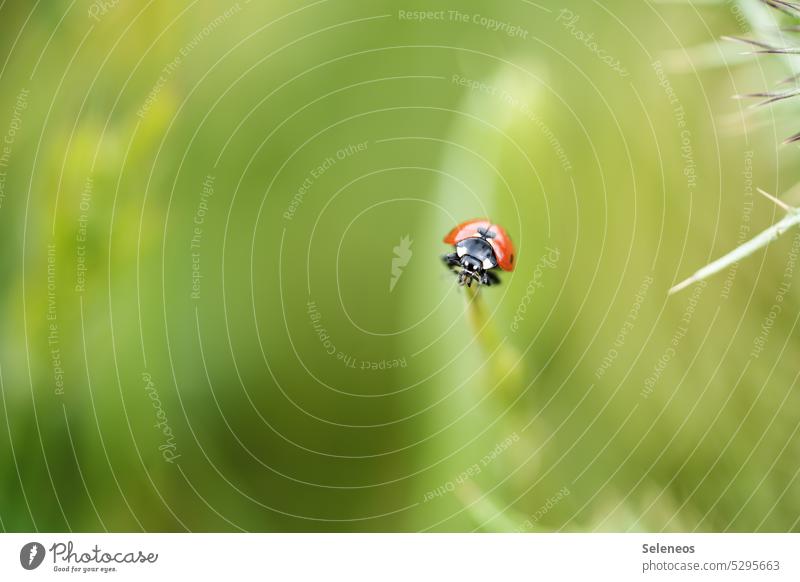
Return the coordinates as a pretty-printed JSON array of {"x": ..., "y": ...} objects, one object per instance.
[{"x": 389, "y": 557}]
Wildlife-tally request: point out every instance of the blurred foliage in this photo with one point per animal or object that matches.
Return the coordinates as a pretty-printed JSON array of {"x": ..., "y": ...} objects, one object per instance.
[{"x": 150, "y": 101}]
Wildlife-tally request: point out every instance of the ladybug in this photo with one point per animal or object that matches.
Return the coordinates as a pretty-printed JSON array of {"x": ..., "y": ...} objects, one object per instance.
[{"x": 480, "y": 247}]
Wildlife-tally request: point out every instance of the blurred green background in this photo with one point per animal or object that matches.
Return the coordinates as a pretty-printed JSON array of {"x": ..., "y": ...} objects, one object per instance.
[{"x": 200, "y": 207}]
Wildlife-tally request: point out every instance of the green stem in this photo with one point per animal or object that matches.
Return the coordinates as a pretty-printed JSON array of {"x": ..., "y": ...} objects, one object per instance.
[
  {"x": 504, "y": 368},
  {"x": 503, "y": 360}
]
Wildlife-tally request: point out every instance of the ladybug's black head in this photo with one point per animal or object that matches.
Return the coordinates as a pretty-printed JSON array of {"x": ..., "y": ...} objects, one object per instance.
[
  {"x": 475, "y": 257},
  {"x": 472, "y": 269},
  {"x": 473, "y": 261}
]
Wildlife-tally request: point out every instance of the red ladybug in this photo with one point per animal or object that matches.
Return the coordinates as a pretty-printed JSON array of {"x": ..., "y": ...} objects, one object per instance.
[{"x": 480, "y": 247}]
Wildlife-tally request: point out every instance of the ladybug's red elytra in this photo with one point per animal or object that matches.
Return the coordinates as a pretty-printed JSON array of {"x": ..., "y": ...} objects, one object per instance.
[{"x": 480, "y": 247}]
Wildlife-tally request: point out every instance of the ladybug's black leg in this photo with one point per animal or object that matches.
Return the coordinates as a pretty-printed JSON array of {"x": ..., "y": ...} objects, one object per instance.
[
  {"x": 454, "y": 262},
  {"x": 464, "y": 279},
  {"x": 490, "y": 278},
  {"x": 451, "y": 260}
]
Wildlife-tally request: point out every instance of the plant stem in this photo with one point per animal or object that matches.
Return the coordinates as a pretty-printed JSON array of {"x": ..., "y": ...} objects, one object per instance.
[
  {"x": 761, "y": 240},
  {"x": 503, "y": 359}
]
